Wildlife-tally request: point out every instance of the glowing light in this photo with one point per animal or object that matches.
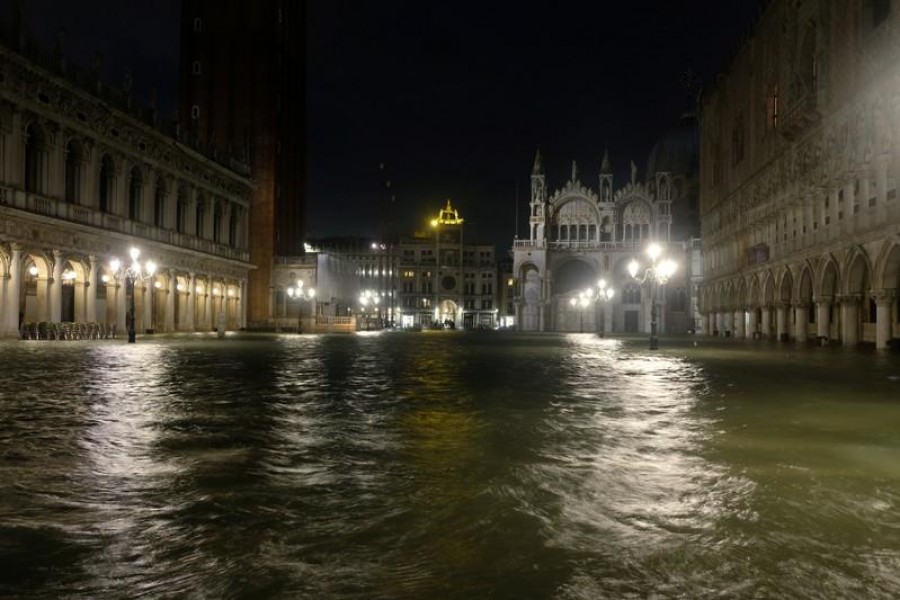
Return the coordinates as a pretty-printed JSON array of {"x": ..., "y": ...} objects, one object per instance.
[
  {"x": 114, "y": 264},
  {"x": 633, "y": 267},
  {"x": 134, "y": 253},
  {"x": 105, "y": 278},
  {"x": 601, "y": 284},
  {"x": 199, "y": 289},
  {"x": 68, "y": 275},
  {"x": 447, "y": 216},
  {"x": 158, "y": 285},
  {"x": 180, "y": 287},
  {"x": 654, "y": 251},
  {"x": 33, "y": 271},
  {"x": 151, "y": 268}
]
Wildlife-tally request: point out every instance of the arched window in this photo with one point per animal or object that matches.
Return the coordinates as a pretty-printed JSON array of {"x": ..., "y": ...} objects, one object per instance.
[
  {"x": 107, "y": 171},
  {"x": 232, "y": 228},
  {"x": 677, "y": 300},
  {"x": 74, "y": 157},
  {"x": 181, "y": 214},
  {"x": 134, "y": 194},
  {"x": 35, "y": 146},
  {"x": 200, "y": 214},
  {"x": 159, "y": 203},
  {"x": 217, "y": 223}
]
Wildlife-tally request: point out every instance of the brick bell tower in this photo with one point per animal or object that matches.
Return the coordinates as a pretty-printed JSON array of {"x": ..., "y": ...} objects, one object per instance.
[{"x": 241, "y": 93}]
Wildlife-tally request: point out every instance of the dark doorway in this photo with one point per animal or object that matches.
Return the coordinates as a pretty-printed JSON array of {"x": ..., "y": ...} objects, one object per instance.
[
  {"x": 67, "y": 313},
  {"x": 631, "y": 321}
]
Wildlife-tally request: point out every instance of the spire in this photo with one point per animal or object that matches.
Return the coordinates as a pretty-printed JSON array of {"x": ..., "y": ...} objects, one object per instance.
[
  {"x": 574, "y": 171},
  {"x": 538, "y": 165},
  {"x": 605, "y": 167}
]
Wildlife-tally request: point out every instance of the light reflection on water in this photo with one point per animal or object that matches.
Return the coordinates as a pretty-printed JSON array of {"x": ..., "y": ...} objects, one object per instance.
[{"x": 446, "y": 465}]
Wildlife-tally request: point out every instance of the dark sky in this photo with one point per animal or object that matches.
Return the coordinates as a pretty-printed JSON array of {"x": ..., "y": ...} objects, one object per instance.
[{"x": 452, "y": 97}]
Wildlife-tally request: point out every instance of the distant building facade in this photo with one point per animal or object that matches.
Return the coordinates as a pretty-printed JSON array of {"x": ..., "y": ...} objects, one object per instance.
[
  {"x": 800, "y": 155},
  {"x": 241, "y": 91},
  {"x": 578, "y": 235},
  {"x": 85, "y": 175},
  {"x": 444, "y": 279}
]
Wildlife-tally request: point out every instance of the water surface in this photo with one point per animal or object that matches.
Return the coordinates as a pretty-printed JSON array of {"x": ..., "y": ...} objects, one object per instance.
[{"x": 447, "y": 465}]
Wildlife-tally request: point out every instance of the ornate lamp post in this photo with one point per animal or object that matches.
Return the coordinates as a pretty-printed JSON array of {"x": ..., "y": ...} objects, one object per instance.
[
  {"x": 367, "y": 298},
  {"x": 605, "y": 295},
  {"x": 134, "y": 272},
  {"x": 657, "y": 274},
  {"x": 580, "y": 303},
  {"x": 301, "y": 295}
]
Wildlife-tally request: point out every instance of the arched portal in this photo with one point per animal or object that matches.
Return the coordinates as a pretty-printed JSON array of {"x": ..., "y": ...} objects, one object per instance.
[
  {"x": 570, "y": 279},
  {"x": 447, "y": 312}
]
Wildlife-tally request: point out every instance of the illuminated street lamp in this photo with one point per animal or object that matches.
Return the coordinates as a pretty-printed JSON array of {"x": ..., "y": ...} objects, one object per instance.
[
  {"x": 580, "y": 303},
  {"x": 605, "y": 295},
  {"x": 657, "y": 274},
  {"x": 134, "y": 272},
  {"x": 300, "y": 294},
  {"x": 368, "y": 298}
]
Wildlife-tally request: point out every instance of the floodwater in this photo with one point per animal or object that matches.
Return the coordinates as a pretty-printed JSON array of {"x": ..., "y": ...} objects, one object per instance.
[{"x": 447, "y": 465}]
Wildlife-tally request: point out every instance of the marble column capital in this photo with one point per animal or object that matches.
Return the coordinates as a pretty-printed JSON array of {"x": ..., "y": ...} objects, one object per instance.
[{"x": 886, "y": 296}]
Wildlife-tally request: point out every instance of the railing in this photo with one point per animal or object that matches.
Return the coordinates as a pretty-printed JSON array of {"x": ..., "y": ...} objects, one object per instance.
[
  {"x": 580, "y": 245},
  {"x": 51, "y": 207}
]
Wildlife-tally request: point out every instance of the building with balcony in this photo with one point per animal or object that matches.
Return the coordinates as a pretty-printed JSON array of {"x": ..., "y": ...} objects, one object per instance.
[
  {"x": 800, "y": 157},
  {"x": 85, "y": 175},
  {"x": 578, "y": 235}
]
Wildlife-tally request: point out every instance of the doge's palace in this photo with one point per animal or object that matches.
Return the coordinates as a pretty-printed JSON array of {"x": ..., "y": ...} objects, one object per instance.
[{"x": 800, "y": 160}]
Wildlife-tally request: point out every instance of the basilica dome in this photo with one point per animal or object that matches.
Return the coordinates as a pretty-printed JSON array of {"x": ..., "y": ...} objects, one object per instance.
[{"x": 676, "y": 151}]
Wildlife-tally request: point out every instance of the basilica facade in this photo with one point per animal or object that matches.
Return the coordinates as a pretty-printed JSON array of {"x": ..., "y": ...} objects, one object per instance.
[
  {"x": 800, "y": 155},
  {"x": 87, "y": 180},
  {"x": 579, "y": 235}
]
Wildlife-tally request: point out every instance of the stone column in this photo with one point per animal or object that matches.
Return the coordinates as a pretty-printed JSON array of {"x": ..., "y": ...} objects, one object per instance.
[
  {"x": 766, "y": 331},
  {"x": 208, "y": 317},
  {"x": 849, "y": 320},
  {"x": 13, "y": 291},
  {"x": 191, "y": 301},
  {"x": 781, "y": 325},
  {"x": 754, "y": 322},
  {"x": 884, "y": 302},
  {"x": 121, "y": 309},
  {"x": 147, "y": 304},
  {"x": 171, "y": 290},
  {"x": 92, "y": 291},
  {"x": 710, "y": 323},
  {"x": 823, "y": 312},
  {"x": 54, "y": 288},
  {"x": 242, "y": 304},
  {"x": 738, "y": 319},
  {"x": 801, "y": 318}
]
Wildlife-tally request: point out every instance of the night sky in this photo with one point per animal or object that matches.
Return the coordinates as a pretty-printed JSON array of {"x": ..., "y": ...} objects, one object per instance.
[{"x": 452, "y": 97}]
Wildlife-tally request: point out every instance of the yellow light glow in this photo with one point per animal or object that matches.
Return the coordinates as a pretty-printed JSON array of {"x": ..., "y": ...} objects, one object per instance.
[{"x": 447, "y": 216}]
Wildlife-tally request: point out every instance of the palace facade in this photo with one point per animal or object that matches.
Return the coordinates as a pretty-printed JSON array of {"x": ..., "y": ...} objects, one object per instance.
[
  {"x": 578, "y": 235},
  {"x": 85, "y": 176},
  {"x": 800, "y": 155}
]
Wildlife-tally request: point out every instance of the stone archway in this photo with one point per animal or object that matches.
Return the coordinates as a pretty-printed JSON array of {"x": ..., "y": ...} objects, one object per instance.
[
  {"x": 827, "y": 312},
  {"x": 529, "y": 317},
  {"x": 570, "y": 278},
  {"x": 447, "y": 314},
  {"x": 858, "y": 309}
]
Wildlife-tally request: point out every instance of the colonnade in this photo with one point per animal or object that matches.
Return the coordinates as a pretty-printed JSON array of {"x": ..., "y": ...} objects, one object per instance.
[
  {"x": 850, "y": 298},
  {"x": 56, "y": 287}
]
